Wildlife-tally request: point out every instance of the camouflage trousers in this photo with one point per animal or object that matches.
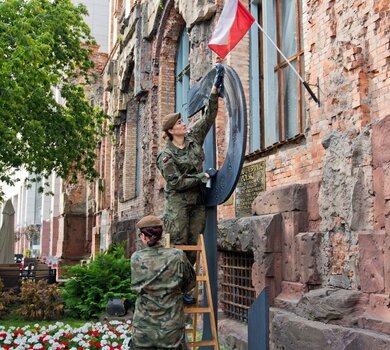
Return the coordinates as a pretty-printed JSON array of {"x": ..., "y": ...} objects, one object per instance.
[
  {"x": 184, "y": 222},
  {"x": 132, "y": 346}
]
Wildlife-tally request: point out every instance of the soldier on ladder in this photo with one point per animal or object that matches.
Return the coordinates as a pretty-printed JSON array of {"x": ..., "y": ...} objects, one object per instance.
[{"x": 180, "y": 163}]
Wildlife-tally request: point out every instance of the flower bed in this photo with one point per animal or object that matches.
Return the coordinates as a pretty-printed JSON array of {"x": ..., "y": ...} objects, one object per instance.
[{"x": 105, "y": 336}]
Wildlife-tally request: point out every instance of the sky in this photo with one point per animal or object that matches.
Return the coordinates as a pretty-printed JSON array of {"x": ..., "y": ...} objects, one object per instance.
[{"x": 11, "y": 191}]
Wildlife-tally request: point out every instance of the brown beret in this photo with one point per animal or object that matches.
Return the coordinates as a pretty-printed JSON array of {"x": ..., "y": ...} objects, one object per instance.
[
  {"x": 149, "y": 221},
  {"x": 169, "y": 121}
]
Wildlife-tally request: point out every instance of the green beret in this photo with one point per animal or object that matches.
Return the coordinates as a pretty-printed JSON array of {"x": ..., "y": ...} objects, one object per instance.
[
  {"x": 149, "y": 221},
  {"x": 169, "y": 121}
]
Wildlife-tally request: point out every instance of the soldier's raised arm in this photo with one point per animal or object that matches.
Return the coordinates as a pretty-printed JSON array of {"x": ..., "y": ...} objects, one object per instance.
[{"x": 202, "y": 126}]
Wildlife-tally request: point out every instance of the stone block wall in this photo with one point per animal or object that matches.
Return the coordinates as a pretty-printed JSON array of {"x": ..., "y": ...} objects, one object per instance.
[{"x": 323, "y": 281}]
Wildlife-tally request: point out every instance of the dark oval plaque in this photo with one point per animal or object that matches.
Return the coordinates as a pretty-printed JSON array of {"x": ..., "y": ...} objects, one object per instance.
[{"x": 234, "y": 99}]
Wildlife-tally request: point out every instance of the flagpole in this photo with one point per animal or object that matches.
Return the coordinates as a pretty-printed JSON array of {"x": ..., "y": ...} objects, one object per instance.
[{"x": 305, "y": 84}]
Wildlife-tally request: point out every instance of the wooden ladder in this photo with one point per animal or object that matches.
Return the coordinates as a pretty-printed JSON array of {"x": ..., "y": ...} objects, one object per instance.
[{"x": 202, "y": 276}]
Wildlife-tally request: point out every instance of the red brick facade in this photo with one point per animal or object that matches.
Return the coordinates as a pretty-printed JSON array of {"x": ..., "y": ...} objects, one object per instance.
[{"x": 318, "y": 232}]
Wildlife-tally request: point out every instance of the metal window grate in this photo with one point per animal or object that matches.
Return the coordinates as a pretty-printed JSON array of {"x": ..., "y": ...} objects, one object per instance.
[{"x": 238, "y": 293}]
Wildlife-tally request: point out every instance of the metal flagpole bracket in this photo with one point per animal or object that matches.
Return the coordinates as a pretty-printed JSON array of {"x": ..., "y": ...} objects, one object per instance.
[{"x": 305, "y": 84}]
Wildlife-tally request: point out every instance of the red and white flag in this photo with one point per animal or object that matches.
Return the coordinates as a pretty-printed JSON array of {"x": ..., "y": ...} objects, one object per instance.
[{"x": 233, "y": 24}]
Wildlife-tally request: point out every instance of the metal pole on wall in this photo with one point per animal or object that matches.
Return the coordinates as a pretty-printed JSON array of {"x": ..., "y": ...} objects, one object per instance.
[
  {"x": 210, "y": 241},
  {"x": 226, "y": 179}
]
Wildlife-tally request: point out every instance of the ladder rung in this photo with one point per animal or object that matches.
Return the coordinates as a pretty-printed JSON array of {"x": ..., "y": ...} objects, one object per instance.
[
  {"x": 201, "y": 343},
  {"x": 188, "y": 247},
  {"x": 202, "y": 275},
  {"x": 196, "y": 310}
]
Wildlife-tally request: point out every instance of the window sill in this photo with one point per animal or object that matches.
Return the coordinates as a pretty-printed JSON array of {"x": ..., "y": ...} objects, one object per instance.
[{"x": 297, "y": 139}]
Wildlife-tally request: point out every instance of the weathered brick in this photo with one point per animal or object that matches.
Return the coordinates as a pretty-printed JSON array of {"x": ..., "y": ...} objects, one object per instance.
[
  {"x": 379, "y": 201},
  {"x": 291, "y": 293},
  {"x": 308, "y": 249},
  {"x": 293, "y": 223},
  {"x": 381, "y": 142},
  {"x": 371, "y": 262}
]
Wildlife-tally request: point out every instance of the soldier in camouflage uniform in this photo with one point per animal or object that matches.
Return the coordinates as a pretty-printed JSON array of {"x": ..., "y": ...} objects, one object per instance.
[
  {"x": 180, "y": 163},
  {"x": 159, "y": 276}
]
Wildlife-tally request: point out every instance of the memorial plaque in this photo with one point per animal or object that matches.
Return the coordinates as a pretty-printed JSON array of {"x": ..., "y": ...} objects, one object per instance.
[{"x": 250, "y": 184}]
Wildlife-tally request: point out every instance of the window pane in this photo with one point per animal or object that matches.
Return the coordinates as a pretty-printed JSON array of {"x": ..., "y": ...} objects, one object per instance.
[
  {"x": 255, "y": 96},
  {"x": 290, "y": 101},
  {"x": 271, "y": 127},
  {"x": 182, "y": 75},
  {"x": 289, "y": 29}
]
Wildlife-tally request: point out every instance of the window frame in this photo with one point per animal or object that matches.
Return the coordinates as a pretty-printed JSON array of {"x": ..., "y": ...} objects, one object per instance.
[
  {"x": 282, "y": 64},
  {"x": 182, "y": 75},
  {"x": 259, "y": 45}
]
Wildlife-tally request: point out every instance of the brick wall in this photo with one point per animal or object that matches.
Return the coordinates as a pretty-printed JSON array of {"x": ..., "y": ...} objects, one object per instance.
[{"x": 347, "y": 49}]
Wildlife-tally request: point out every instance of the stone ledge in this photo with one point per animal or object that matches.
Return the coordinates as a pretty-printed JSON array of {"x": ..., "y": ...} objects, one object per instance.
[
  {"x": 291, "y": 332},
  {"x": 283, "y": 199},
  {"x": 232, "y": 334}
]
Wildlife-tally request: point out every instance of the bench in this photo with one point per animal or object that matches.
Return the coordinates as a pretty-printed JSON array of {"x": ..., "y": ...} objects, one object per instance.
[
  {"x": 11, "y": 275},
  {"x": 42, "y": 271}
]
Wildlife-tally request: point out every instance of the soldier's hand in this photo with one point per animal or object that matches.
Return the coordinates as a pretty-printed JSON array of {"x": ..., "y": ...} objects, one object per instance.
[
  {"x": 211, "y": 172},
  {"x": 218, "y": 81}
]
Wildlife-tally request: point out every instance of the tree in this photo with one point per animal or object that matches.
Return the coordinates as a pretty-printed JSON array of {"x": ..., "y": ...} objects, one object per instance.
[{"x": 43, "y": 45}]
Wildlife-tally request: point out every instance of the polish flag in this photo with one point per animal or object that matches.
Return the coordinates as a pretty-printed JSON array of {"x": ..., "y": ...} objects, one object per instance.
[{"x": 233, "y": 24}]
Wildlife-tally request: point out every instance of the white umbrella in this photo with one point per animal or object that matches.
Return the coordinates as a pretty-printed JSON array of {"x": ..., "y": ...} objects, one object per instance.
[{"x": 7, "y": 235}]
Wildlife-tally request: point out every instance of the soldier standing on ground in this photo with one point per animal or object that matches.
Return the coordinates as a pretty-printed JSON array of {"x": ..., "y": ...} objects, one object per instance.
[
  {"x": 159, "y": 276},
  {"x": 180, "y": 163}
]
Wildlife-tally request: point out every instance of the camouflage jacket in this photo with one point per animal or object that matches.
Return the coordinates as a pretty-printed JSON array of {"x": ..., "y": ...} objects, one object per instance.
[
  {"x": 160, "y": 276},
  {"x": 182, "y": 168}
]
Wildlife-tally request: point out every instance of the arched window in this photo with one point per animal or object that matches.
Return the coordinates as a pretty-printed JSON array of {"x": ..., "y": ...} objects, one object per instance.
[{"x": 182, "y": 75}]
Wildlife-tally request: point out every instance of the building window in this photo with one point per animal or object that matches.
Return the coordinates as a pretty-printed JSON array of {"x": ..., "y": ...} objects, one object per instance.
[
  {"x": 183, "y": 75},
  {"x": 276, "y": 92},
  {"x": 238, "y": 293},
  {"x": 131, "y": 160}
]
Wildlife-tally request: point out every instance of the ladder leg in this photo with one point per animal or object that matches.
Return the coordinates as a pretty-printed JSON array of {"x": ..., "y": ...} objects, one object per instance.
[
  {"x": 202, "y": 276},
  {"x": 195, "y": 316},
  {"x": 209, "y": 295}
]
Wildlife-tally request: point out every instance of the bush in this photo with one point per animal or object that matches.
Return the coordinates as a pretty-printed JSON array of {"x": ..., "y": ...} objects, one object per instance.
[
  {"x": 89, "y": 287},
  {"x": 39, "y": 300},
  {"x": 6, "y": 299}
]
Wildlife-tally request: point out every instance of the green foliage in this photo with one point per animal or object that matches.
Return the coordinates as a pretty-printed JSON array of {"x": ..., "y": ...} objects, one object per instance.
[
  {"x": 6, "y": 300},
  {"x": 44, "y": 44},
  {"x": 28, "y": 253},
  {"x": 90, "y": 286},
  {"x": 39, "y": 300}
]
